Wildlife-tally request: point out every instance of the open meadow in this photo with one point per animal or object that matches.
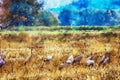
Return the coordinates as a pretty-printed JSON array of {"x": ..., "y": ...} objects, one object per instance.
[{"x": 25, "y": 50}]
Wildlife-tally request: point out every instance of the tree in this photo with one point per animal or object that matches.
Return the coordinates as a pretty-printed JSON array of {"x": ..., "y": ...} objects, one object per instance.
[
  {"x": 116, "y": 2},
  {"x": 64, "y": 17},
  {"x": 4, "y": 10},
  {"x": 91, "y": 17},
  {"x": 22, "y": 12},
  {"x": 45, "y": 18}
]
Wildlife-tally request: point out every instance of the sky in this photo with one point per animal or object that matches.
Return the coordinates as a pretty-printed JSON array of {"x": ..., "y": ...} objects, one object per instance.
[
  {"x": 56, "y": 3},
  {"x": 101, "y": 4}
]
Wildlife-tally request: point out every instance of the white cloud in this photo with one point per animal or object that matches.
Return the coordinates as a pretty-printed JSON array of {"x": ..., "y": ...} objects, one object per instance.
[{"x": 56, "y": 3}]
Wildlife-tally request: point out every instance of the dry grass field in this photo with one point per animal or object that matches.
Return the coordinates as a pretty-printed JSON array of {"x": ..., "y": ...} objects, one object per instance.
[{"x": 22, "y": 64}]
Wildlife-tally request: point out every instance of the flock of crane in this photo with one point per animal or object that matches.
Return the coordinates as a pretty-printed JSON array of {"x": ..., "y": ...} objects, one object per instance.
[
  {"x": 71, "y": 60},
  {"x": 89, "y": 61}
]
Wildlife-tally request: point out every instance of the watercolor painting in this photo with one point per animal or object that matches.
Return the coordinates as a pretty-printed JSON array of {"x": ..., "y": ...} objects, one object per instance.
[{"x": 59, "y": 39}]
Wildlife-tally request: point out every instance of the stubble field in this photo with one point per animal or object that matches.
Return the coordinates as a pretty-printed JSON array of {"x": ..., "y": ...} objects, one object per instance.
[{"x": 25, "y": 53}]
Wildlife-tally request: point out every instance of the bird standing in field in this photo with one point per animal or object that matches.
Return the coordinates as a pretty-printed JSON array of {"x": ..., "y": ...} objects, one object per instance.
[
  {"x": 105, "y": 59},
  {"x": 78, "y": 59},
  {"x": 67, "y": 63},
  {"x": 48, "y": 58},
  {"x": 29, "y": 56},
  {"x": 90, "y": 61},
  {"x": 2, "y": 61},
  {"x": 70, "y": 60}
]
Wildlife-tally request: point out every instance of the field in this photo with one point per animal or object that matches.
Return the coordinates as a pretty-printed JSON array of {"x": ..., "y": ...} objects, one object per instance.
[{"x": 25, "y": 51}]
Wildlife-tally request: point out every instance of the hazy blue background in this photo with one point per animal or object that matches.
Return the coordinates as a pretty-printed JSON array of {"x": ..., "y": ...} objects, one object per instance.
[
  {"x": 85, "y": 12},
  {"x": 64, "y": 13}
]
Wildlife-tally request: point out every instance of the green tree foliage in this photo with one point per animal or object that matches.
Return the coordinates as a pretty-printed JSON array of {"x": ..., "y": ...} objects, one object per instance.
[
  {"x": 29, "y": 13},
  {"x": 45, "y": 18},
  {"x": 23, "y": 12}
]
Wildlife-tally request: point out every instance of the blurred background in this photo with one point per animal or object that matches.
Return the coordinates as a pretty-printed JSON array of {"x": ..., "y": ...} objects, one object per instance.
[{"x": 59, "y": 12}]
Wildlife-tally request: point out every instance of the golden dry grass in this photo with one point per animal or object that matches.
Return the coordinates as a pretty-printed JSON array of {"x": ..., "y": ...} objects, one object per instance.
[{"x": 16, "y": 50}]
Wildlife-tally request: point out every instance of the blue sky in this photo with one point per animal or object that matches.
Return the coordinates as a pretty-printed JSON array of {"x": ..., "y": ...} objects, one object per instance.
[{"x": 100, "y": 4}]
